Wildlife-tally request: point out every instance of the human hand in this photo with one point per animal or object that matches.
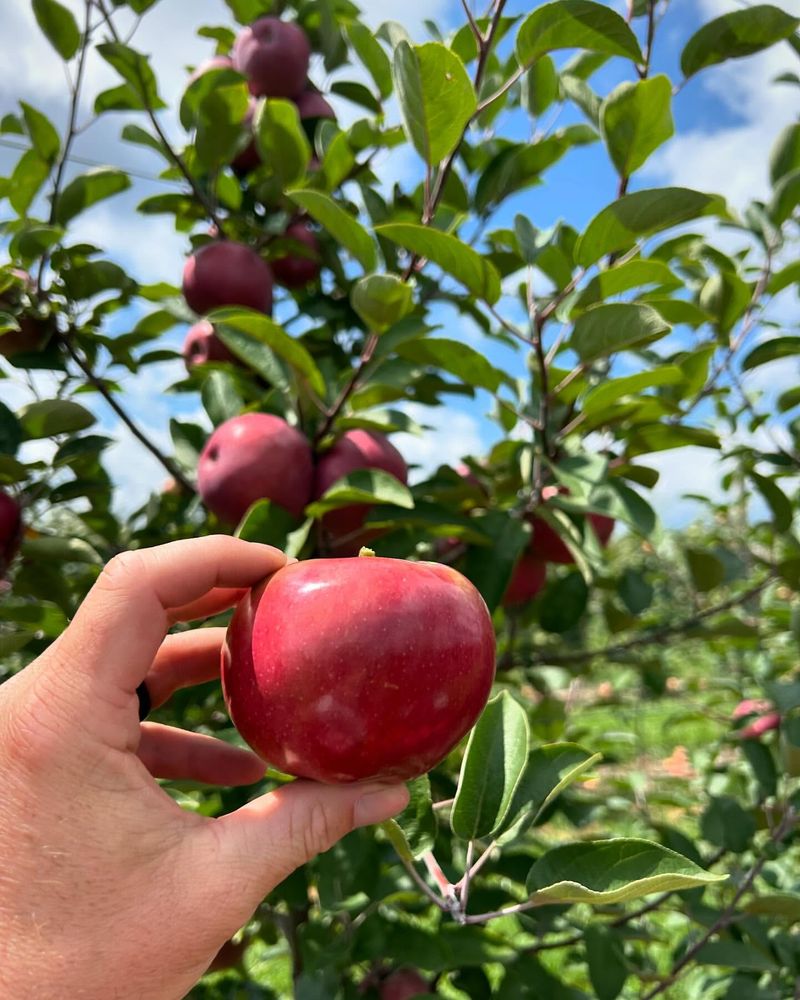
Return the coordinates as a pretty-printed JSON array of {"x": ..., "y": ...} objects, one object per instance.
[{"x": 108, "y": 888}]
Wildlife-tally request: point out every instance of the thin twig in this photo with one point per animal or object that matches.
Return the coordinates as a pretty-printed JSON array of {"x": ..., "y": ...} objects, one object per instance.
[
  {"x": 108, "y": 396},
  {"x": 476, "y": 31},
  {"x": 349, "y": 388},
  {"x": 422, "y": 884},
  {"x": 655, "y": 635}
]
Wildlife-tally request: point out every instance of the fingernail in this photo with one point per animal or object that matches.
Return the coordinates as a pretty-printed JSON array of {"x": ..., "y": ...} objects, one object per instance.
[{"x": 375, "y": 807}]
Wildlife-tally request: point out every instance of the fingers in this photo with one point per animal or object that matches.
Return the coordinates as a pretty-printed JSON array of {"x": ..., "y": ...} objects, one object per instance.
[
  {"x": 175, "y": 754},
  {"x": 183, "y": 660},
  {"x": 212, "y": 603},
  {"x": 262, "y": 843},
  {"x": 118, "y": 629}
]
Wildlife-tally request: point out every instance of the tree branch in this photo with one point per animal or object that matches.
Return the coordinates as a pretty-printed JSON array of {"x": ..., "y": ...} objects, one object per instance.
[
  {"x": 654, "y": 635},
  {"x": 171, "y": 467},
  {"x": 349, "y": 388}
]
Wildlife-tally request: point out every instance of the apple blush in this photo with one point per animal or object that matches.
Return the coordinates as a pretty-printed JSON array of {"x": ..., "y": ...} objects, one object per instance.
[{"x": 345, "y": 670}]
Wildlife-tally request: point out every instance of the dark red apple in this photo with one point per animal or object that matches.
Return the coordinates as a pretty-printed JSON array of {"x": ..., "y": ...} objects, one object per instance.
[
  {"x": 345, "y": 670},
  {"x": 249, "y": 158},
  {"x": 527, "y": 580},
  {"x": 10, "y": 530},
  {"x": 357, "y": 449},
  {"x": 603, "y": 527},
  {"x": 32, "y": 333},
  {"x": 404, "y": 984},
  {"x": 202, "y": 345},
  {"x": 227, "y": 274},
  {"x": 311, "y": 104},
  {"x": 295, "y": 270},
  {"x": 547, "y": 543},
  {"x": 253, "y": 457},
  {"x": 274, "y": 56}
]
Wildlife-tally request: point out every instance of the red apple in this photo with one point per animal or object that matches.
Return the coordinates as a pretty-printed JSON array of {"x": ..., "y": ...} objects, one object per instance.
[
  {"x": 357, "y": 449},
  {"x": 32, "y": 333},
  {"x": 311, "y": 104},
  {"x": 253, "y": 457},
  {"x": 227, "y": 274},
  {"x": 527, "y": 580},
  {"x": 345, "y": 670},
  {"x": 404, "y": 984},
  {"x": 294, "y": 270},
  {"x": 547, "y": 543},
  {"x": 603, "y": 527},
  {"x": 202, "y": 345},
  {"x": 751, "y": 706},
  {"x": 274, "y": 56},
  {"x": 763, "y": 724},
  {"x": 10, "y": 530}
]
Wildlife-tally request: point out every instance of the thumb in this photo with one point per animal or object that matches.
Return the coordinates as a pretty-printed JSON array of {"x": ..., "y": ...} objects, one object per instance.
[{"x": 262, "y": 843}]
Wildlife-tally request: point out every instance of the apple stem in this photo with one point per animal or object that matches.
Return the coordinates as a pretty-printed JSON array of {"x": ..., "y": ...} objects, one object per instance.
[
  {"x": 366, "y": 553},
  {"x": 445, "y": 886}
]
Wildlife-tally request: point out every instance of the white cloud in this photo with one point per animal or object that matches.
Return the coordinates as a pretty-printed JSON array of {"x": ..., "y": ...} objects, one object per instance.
[{"x": 732, "y": 160}]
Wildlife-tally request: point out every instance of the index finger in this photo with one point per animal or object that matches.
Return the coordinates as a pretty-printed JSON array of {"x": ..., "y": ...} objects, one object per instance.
[{"x": 118, "y": 629}]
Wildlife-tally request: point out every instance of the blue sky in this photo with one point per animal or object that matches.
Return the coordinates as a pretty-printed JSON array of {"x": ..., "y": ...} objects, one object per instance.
[{"x": 726, "y": 119}]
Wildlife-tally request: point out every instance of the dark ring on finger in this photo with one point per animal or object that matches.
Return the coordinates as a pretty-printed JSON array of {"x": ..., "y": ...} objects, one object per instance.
[{"x": 145, "y": 702}]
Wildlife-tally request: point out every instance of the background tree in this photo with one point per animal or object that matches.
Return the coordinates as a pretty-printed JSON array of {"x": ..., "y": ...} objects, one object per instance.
[{"x": 643, "y": 743}]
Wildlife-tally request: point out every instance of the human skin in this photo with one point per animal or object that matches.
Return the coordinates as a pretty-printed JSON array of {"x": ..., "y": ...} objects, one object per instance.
[{"x": 109, "y": 889}]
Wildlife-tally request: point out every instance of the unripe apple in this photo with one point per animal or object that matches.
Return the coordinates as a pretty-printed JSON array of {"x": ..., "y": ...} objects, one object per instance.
[
  {"x": 215, "y": 62},
  {"x": 227, "y": 274},
  {"x": 527, "y": 580},
  {"x": 294, "y": 270},
  {"x": 345, "y": 670},
  {"x": 357, "y": 449},
  {"x": 404, "y": 984},
  {"x": 311, "y": 104},
  {"x": 253, "y": 457},
  {"x": 10, "y": 530},
  {"x": 202, "y": 345},
  {"x": 274, "y": 56}
]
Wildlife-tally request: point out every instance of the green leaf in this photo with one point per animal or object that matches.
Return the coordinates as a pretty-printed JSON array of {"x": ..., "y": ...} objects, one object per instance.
[
  {"x": 453, "y": 256},
  {"x": 233, "y": 324},
  {"x": 58, "y": 26},
  {"x": 52, "y": 548},
  {"x": 781, "y": 905},
  {"x": 613, "y": 390},
  {"x": 786, "y": 198},
  {"x": 49, "y": 417},
  {"x": 726, "y": 824},
  {"x": 358, "y": 94},
  {"x": 221, "y": 398},
  {"x": 785, "y": 155},
  {"x": 635, "y": 592},
  {"x": 548, "y": 771},
  {"x": 706, "y": 569},
  {"x": 344, "y": 228},
  {"x": 622, "y": 277},
  {"x": 564, "y": 603},
  {"x": 44, "y": 137},
  {"x": 605, "y": 955},
  {"x": 281, "y": 141},
  {"x": 575, "y": 24},
  {"x": 416, "y": 824},
  {"x": 30, "y": 172},
  {"x": 636, "y": 118},
  {"x": 372, "y": 55},
  {"x": 509, "y": 537},
  {"x": 135, "y": 69},
  {"x": 612, "y": 871},
  {"x": 89, "y": 188},
  {"x": 382, "y": 300},
  {"x": 615, "y": 326},
  {"x": 365, "y": 486},
  {"x": 436, "y": 97},
  {"x": 540, "y": 86},
  {"x": 736, "y": 955},
  {"x": 619, "y": 225},
  {"x": 220, "y": 121},
  {"x": 493, "y": 764},
  {"x": 771, "y": 350},
  {"x": 456, "y": 357},
  {"x": 188, "y": 441},
  {"x": 780, "y": 505},
  {"x": 267, "y": 523},
  {"x": 10, "y": 431},
  {"x": 737, "y": 34}
]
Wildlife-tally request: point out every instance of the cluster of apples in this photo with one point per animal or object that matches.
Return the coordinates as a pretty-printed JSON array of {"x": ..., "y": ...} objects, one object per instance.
[{"x": 273, "y": 55}]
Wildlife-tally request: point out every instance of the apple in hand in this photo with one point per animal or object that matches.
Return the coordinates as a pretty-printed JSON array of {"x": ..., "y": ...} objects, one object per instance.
[
  {"x": 357, "y": 449},
  {"x": 527, "y": 580},
  {"x": 345, "y": 670},
  {"x": 202, "y": 345},
  {"x": 274, "y": 56},
  {"x": 404, "y": 984},
  {"x": 295, "y": 269},
  {"x": 10, "y": 530},
  {"x": 253, "y": 457},
  {"x": 227, "y": 274}
]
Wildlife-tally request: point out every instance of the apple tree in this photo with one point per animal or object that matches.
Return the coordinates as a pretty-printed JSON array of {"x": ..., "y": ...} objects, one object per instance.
[{"x": 622, "y": 821}]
